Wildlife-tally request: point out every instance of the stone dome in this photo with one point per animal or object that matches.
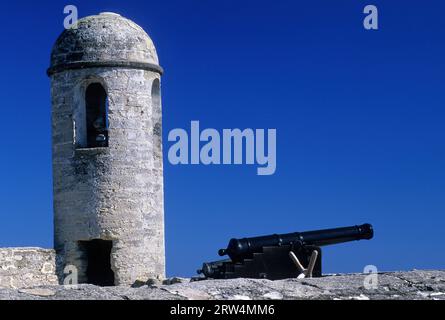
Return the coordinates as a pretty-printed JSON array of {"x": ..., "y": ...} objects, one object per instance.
[{"x": 107, "y": 39}]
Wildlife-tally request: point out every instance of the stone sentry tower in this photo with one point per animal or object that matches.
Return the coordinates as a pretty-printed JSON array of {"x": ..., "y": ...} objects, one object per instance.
[{"x": 107, "y": 152}]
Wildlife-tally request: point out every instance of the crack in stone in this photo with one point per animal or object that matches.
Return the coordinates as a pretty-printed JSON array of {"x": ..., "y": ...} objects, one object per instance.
[
  {"x": 421, "y": 287},
  {"x": 311, "y": 285}
]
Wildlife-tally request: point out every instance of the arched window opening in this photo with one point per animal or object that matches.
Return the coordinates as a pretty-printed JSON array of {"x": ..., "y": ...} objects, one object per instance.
[
  {"x": 96, "y": 104},
  {"x": 156, "y": 94},
  {"x": 156, "y": 110}
]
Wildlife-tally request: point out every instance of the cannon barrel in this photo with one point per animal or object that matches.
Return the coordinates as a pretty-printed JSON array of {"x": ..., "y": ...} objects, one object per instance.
[{"x": 239, "y": 249}]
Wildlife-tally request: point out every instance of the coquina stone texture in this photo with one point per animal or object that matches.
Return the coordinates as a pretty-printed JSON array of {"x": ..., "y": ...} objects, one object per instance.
[
  {"x": 112, "y": 193},
  {"x": 29, "y": 274},
  {"x": 27, "y": 267},
  {"x": 413, "y": 285}
]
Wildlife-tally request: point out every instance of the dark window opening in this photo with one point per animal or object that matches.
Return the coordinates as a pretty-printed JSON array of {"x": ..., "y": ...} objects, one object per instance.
[
  {"x": 156, "y": 94},
  {"x": 96, "y": 104},
  {"x": 98, "y": 254}
]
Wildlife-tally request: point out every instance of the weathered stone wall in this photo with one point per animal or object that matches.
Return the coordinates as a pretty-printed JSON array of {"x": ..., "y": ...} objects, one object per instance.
[
  {"x": 414, "y": 285},
  {"x": 113, "y": 193},
  {"x": 27, "y": 267},
  {"x": 29, "y": 273}
]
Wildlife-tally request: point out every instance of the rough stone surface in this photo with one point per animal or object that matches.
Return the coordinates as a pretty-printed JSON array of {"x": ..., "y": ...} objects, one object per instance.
[
  {"x": 113, "y": 193},
  {"x": 418, "y": 285},
  {"x": 104, "y": 37},
  {"x": 27, "y": 267}
]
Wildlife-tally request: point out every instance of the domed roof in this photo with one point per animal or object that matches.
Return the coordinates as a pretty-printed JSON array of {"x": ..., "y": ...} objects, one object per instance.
[{"x": 107, "y": 39}]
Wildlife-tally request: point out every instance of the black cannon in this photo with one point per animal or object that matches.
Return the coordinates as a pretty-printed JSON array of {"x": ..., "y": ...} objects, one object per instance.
[{"x": 280, "y": 256}]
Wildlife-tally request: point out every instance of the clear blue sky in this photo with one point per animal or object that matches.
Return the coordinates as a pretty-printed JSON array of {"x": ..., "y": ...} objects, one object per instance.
[{"x": 359, "y": 117}]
